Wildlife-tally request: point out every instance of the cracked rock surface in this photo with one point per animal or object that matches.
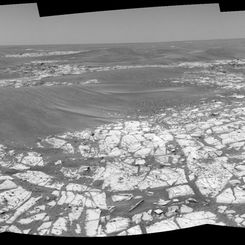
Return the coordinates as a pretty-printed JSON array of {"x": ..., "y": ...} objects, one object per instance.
[{"x": 124, "y": 177}]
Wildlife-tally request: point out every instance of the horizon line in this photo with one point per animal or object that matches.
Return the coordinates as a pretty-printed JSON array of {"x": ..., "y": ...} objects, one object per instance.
[{"x": 186, "y": 40}]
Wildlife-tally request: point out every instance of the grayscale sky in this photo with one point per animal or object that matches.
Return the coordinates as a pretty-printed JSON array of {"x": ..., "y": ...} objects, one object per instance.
[{"x": 21, "y": 24}]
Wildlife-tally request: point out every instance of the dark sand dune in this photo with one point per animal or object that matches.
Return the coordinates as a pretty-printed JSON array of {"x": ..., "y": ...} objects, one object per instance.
[
  {"x": 30, "y": 112},
  {"x": 27, "y": 113}
]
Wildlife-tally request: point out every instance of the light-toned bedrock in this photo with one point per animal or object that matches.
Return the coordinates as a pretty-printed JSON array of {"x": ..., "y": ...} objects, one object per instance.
[
  {"x": 33, "y": 159},
  {"x": 142, "y": 178},
  {"x": 184, "y": 221},
  {"x": 75, "y": 201},
  {"x": 92, "y": 221},
  {"x": 197, "y": 218},
  {"x": 234, "y": 136},
  {"x": 7, "y": 184},
  {"x": 12, "y": 199},
  {"x": 213, "y": 177},
  {"x": 79, "y": 195},
  {"x": 122, "y": 177},
  {"x": 117, "y": 224},
  {"x": 133, "y": 138},
  {"x": 60, "y": 144},
  {"x": 164, "y": 225},
  {"x": 39, "y": 178},
  {"x": 135, "y": 230},
  {"x": 27, "y": 205},
  {"x": 179, "y": 191},
  {"x": 20, "y": 161},
  {"x": 234, "y": 195}
]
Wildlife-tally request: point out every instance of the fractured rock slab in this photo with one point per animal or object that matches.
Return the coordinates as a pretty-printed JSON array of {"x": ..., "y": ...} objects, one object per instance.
[{"x": 180, "y": 190}]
